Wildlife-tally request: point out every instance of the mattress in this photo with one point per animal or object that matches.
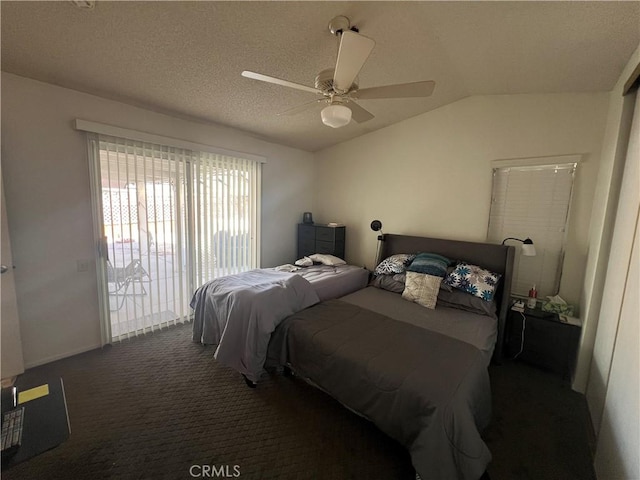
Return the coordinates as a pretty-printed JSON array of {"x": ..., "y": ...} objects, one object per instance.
[
  {"x": 334, "y": 281},
  {"x": 478, "y": 330}
]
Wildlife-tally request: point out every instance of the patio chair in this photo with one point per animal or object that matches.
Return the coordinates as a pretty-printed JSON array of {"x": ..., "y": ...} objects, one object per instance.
[{"x": 122, "y": 277}]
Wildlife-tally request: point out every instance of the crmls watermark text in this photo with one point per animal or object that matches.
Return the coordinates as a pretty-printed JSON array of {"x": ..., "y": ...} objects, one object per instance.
[{"x": 214, "y": 471}]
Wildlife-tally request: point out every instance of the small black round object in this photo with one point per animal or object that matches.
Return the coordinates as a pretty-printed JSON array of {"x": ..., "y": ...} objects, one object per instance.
[
  {"x": 307, "y": 218},
  {"x": 376, "y": 225}
]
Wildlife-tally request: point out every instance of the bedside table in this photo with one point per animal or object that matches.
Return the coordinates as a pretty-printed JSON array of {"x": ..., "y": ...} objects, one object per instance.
[{"x": 548, "y": 343}]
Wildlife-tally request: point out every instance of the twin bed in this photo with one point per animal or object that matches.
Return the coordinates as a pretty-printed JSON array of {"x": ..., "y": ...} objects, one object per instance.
[{"x": 419, "y": 374}]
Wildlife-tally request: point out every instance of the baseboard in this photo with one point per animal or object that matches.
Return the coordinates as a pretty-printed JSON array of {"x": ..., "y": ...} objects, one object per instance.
[{"x": 53, "y": 358}]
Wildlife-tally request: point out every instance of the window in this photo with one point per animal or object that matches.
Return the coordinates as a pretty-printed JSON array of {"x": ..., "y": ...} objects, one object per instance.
[
  {"x": 171, "y": 219},
  {"x": 533, "y": 202}
]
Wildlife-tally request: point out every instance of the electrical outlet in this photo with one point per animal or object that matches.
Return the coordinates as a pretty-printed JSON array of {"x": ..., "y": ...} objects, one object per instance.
[{"x": 82, "y": 265}]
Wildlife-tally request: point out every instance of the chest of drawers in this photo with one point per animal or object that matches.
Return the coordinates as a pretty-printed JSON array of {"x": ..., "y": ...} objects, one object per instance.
[{"x": 317, "y": 238}]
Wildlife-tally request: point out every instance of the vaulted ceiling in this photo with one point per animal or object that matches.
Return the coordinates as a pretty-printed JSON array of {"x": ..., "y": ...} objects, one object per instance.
[{"x": 185, "y": 58}]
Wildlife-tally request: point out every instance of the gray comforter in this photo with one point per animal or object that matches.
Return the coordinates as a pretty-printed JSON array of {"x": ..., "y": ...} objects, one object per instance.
[
  {"x": 238, "y": 313},
  {"x": 427, "y": 390}
]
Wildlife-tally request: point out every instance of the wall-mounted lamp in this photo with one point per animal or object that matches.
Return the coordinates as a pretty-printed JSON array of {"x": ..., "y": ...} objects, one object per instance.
[
  {"x": 528, "y": 250},
  {"x": 376, "y": 226}
]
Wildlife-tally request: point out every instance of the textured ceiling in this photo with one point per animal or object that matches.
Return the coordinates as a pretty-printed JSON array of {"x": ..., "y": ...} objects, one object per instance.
[{"x": 185, "y": 58}]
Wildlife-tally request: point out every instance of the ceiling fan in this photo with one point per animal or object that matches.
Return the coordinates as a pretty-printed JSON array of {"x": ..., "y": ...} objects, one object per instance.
[{"x": 338, "y": 87}]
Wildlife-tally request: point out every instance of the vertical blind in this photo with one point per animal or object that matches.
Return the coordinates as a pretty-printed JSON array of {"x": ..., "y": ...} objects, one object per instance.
[
  {"x": 171, "y": 219},
  {"x": 225, "y": 212},
  {"x": 533, "y": 202}
]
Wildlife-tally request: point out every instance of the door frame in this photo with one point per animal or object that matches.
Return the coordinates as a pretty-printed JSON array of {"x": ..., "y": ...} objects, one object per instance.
[{"x": 12, "y": 352}]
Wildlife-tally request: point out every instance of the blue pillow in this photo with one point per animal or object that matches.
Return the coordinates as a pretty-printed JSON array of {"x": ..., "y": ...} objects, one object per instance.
[{"x": 430, "y": 263}]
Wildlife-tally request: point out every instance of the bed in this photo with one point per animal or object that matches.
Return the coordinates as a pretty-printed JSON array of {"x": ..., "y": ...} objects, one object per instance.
[
  {"x": 419, "y": 374},
  {"x": 237, "y": 313}
]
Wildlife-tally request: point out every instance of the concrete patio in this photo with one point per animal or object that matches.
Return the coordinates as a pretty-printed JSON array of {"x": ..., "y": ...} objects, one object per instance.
[{"x": 159, "y": 299}]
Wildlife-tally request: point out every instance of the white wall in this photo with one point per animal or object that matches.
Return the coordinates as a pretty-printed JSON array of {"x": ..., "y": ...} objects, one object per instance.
[
  {"x": 431, "y": 175},
  {"x": 46, "y": 180}
]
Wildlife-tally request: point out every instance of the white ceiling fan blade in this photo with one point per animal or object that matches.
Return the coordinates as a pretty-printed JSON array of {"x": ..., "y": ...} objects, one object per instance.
[
  {"x": 353, "y": 52},
  {"x": 358, "y": 113},
  {"x": 401, "y": 90},
  {"x": 302, "y": 108},
  {"x": 278, "y": 81}
]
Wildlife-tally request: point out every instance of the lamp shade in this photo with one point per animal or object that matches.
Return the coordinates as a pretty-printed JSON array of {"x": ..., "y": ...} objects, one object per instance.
[
  {"x": 336, "y": 116},
  {"x": 528, "y": 250}
]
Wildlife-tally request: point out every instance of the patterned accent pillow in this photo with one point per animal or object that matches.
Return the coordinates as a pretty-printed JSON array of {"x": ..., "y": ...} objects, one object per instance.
[
  {"x": 475, "y": 280},
  {"x": 430, "y": 263},
  {"x": 422, "y": 289},
  {"x": 394, "y": 264}
]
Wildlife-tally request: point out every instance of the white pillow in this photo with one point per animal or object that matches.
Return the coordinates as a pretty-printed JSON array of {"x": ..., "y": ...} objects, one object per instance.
[
  {"x": 326, "y": 259},
  {"x": 304, "y": 262},
  {"x": 422, "y": 289}
]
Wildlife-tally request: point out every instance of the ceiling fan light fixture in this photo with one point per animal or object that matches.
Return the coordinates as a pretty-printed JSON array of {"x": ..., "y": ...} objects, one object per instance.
[{"x": 336, "y": 116}]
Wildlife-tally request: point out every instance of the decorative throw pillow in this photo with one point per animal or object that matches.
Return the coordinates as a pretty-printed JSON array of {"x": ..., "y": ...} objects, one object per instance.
[
  {"x": 422, "y": 289},
  {"x": 430, "y": 263},
  {"x": 444, "y": 286},
  {"x": 474, "y": 279},
  {"x": 326, "y": 259},
  {"x": 392, "y": 283},
  {"x": 394, "y": 264}
]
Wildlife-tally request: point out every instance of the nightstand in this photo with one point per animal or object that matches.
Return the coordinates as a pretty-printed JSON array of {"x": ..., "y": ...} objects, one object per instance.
[{"x": 548, "y": 342}]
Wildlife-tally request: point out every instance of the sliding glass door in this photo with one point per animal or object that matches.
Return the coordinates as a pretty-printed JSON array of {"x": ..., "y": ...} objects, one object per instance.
[{"x": 169, "y": 220}]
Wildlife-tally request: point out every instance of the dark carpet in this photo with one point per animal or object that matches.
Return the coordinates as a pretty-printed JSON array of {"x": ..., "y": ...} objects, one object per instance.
[{"x": 159, "y": 407}]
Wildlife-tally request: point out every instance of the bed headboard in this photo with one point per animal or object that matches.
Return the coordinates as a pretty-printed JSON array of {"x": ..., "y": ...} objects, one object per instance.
[{"x": 496, "y": 258}]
